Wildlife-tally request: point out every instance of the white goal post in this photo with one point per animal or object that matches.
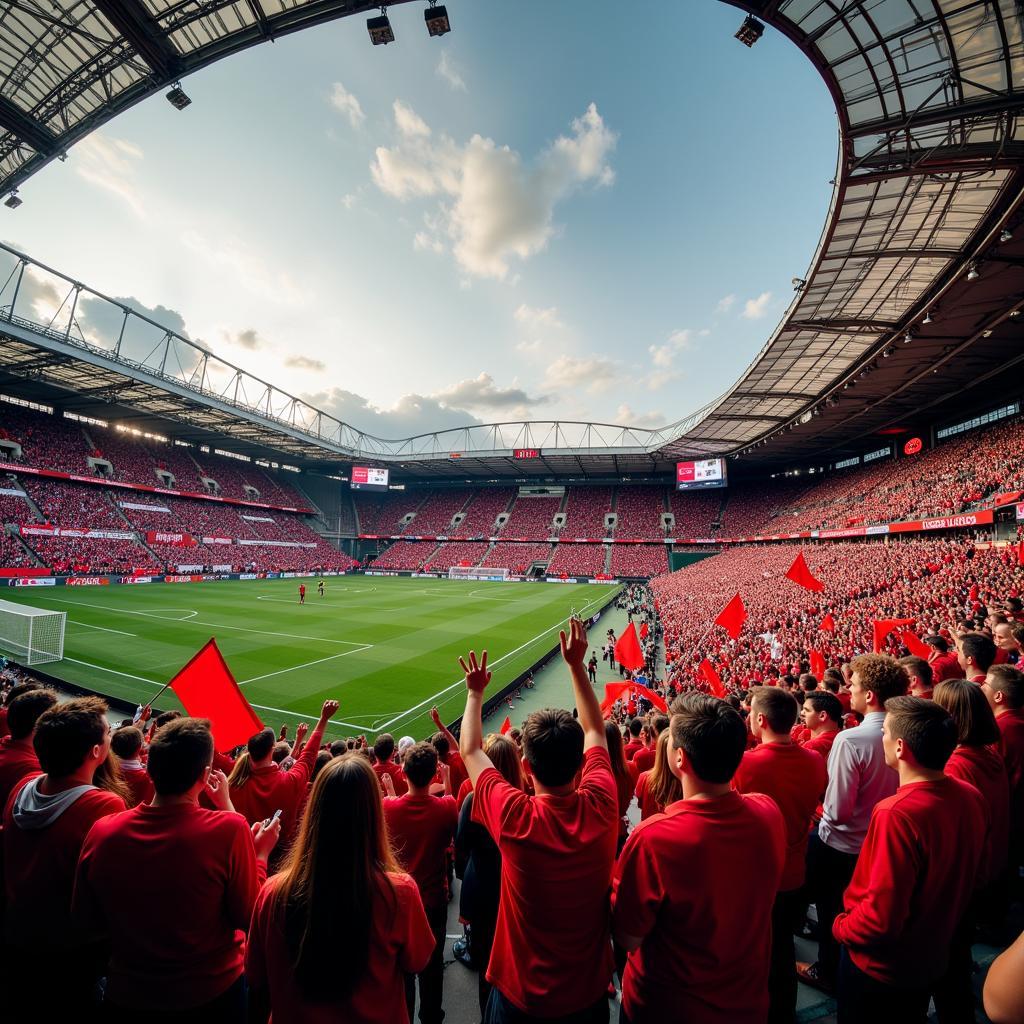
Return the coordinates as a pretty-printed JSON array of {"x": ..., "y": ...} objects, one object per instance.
[
  {"x": 476, "y": 572},
  {"x": 33, "y": 635}
]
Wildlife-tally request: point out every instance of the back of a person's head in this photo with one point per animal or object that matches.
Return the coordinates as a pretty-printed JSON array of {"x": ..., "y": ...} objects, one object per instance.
[
  {"x": 711, "y": 733},
  {"x": 383, "y": 747},
  {"x": 553, "y": 746},
  {"x": 25, "y": 710},
  {"x": 282, "y": 749},
  {"x": 67, "y": 733},
  {"x": 179, "y": 755},
  {"x": 261, "y": 746},
  {"x": 504, "y": 755},
  {"x": 323, "y": 758},
  {"x": 925, "y": 727},
  {"x": 980, "y": 649},
  {"x": 659, "y": 723},
  {"x": 779, "y": 708},
  {"x": 339, "y": 747},
  {"x": 832, "y": 679},
  {"x": 968, "y": 707},
  {"x": 165, "y": 717},
  {"x": 635, "y": 726},
  {"x": 825, "y": 702},
  {"x": 19, "y": 688},
  {"x": 938, "y": 642},
  {"x": 917, "y": 667},
  {"x": 662, "y": 784},
  {"x": 419, "y": 762},
  {"x": 808, "y": 682},
  {"x": 1008, "y": 681},
  {"x": 126, "y": 742},
  {"x": 440, "y": 743},
  {"x": 882, "y": 675}
]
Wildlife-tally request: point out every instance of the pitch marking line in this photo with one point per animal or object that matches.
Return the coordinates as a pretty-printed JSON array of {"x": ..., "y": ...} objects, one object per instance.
[
  {"x": 296, "y": 668},
  {"x": 89, "y": 625}
]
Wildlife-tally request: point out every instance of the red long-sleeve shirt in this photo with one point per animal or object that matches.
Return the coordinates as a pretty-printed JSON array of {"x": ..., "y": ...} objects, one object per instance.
[
  {"x": 915, "y": 875},
  {"x": 984, "y": 769},
  {"x": 17, "y": 759}
]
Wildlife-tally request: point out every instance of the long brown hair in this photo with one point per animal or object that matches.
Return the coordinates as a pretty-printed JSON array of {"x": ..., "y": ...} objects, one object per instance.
[
  {"x": 504, "y": 755},
  {"x": 240, "y": 770},
  {"x": 331, "y": 884},
  {"x": 616, "y": 752},
  {"x": 968, "y": 707},
  {"x": 108, "y": 776},
  {"x": 664, "y": 788}
]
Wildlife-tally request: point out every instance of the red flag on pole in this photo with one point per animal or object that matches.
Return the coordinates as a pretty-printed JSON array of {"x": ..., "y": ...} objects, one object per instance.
[
  {"x": 613, "y": 691},
  {"x": 1020, "y": 553},
  {"x": 800, "y": 573},
  {"x": 627, "y": 649},
  {"x": 644, "y": 631},
  {"x": 828, "y": 624},
  {"x": 207, "y": 689},
  {"x": 915, "y": 644},
  {"x": 732, "y": 617},
  {"x": 707, "y": 670},
  {"x": 506, "y": 726},
  {"x": 881, "y": 628},
  {"x": 817, "y": 664}
]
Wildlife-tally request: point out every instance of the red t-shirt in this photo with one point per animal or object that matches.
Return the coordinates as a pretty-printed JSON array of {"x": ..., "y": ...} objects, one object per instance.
[
  {"x": 915, "y": 876},
  {"x": 632, "y": 748},
  {"x": 648, "y": 805},
  {"x": 140, "y": 784},
  {"x": 397, "y": 777},
  {"x": 39, "y": 869},
  {"x": 17, "y": 759},
  {"x": 401, "y": 943},
  {"x": 552, "y": 955},
  {"x": 822, "y": 744},
  {"x": 643, "y": 759},
  {"x": 795, "y": 778},
  {"x": 683, "y": 884},
  {"x": 464, "y": 790},
  {"x": 945, "y": 666},
  {"x": 421, "y": 829},
  {"x": 188, "y": 945},
  {"x": 984, "y": 769},
  {"x": 1011, "y": 745}
]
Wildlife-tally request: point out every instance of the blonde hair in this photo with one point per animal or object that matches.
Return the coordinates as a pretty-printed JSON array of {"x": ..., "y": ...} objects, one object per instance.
[{"x": 662, "y": 785}]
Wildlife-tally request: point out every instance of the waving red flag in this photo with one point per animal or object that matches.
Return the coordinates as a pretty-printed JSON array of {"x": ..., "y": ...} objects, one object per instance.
[
  {"x": 800, "y": 573},
  {"x": 828, "y": 624},
  {"x": 915, "y": 644},
  {"x": 612, "y": 692},
  {"x": 707, "y": 670},
  {"x": 1020, "y": 553},
  {"x": 817, "y": 664},
  {"x": 881, "y": 628},
  {"x": 627, "y": 649},
  {"x": 644, "y": 631},
  {"x": 506, "y": 726},
  {"x": 207, "y": 689},
  {"x": 732, "y": 617}
]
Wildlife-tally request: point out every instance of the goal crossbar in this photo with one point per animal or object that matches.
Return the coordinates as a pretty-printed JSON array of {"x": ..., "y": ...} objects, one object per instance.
[
  {"x": 476, "y": 572},
  {"x": 35, "y": 635}
]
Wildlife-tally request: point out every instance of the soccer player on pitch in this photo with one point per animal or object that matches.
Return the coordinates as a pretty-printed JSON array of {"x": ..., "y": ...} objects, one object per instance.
[
  {"x": 302, "y": 593},
  {"x": 320, "y": 588}
]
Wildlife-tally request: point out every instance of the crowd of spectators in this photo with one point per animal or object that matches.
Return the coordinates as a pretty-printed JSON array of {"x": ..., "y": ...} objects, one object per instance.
[
  {"x": 405, "y": 555},
  {"x": 46, "y": 441},
  {"x": 578, "y": 560},
  {"x": 517, "y": 558},
  {"x": 75, "y": 506},
  {"x": 382, "y": 514},
  {"x": 639, "y": 511},
  {"x": 532, "y": 518},
  {"x": 13, "y": 507},
  {"x": 482, "y": 512},
  {"x": 456, "y": 553},
  {"x": 585, "y": 512},
  {"x": 90, "y": 555},
  {"x": 639, "y": 560},
  {"x": 434, "y": 517},
  {"x": 12, "y": 553}
]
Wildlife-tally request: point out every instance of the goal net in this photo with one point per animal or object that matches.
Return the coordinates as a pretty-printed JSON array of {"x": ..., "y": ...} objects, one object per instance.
[
  {"x": 476, "y": 572},
  {"x": 34, "y": 635}
]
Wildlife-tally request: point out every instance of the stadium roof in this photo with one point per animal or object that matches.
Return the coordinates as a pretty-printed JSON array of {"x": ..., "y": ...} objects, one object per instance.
[{"x": 929, "y": 185}]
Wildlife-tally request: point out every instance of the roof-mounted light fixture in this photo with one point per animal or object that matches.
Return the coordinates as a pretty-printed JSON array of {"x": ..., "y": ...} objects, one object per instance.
[
  {"x": 750, "y": 31},
  {"x": 380, "y": 29},
  {"x": 13, "y": 201},
  {"x": 436, "y": 17},
  {"x": 177, "y": 97},
  {"x": 972, "y": 272}
]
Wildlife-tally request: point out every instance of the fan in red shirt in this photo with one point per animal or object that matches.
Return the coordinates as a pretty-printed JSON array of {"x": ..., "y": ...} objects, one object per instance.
[
  {"x": 795, "y": 778},
  {"x": 919, "y": 672},
  {"x": 44, "y": 825},
  {"x": 384, "y": 752},
  {"x": 916, "y": 873},
  {"x": 944, "y": 662},
  {"x": 822, "y": 715},
  {"x": 447, "y": 747},
  {"x": 635, "y": 744},
  {"x": 976, "y": 653},
  {"x": 334, "y": 933},
  {"x": 643, "y": 759},
  {"x": 259, "y": 787},
  {"x": 658, "y": 788},
  {"x": 17, "y": 754},
  {"x": 1004, "y": 689},
  {"x": 13, "y": 693},
  {"x": 552, "y": 951},
  {"x": 126, "y": 744},
  {"x": 696, "y": 928},
  {"x": 208, "y": 868},
  {"x": 422, "y": 828}
]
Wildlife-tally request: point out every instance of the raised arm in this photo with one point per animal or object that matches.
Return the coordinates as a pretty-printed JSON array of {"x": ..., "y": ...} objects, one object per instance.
[
  {"x": 574, "y": 651},
  {"x": 471, "y": 732},
  {"x": 435, "y": 717}
]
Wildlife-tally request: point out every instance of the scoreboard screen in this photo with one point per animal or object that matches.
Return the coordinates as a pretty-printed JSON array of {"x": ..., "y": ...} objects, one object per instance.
[
  {"x": 365, "y": 478},
  {"x": 692, "y": 476}
]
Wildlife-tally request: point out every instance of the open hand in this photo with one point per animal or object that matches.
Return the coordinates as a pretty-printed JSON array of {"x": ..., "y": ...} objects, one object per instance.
[
  {"x": 389, "y": 783},
  {"x": 574, "y": 646},
  {"x": 300, "y": 731},
  {"x": 329, "y": 710},
  {"x": 477, "y": 676}
]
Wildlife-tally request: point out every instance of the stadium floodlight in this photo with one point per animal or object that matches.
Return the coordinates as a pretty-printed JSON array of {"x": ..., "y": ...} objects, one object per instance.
[
  {"x": 1005, "y": 235},
  {"x": 380, "y": 29},
  {"x": 750, "y": 31},
  {"x": 987, "y": 333},
  {"x": 436, "y": 17},
  {"x": 798, "y": 283},
  {"x": 927, "y": 317},
  {"x": 177, "y": 97},
  {"x": 908, "y": 337},
  {"x": 972, "y": 272},
  {"x": 13, "y": 201}
]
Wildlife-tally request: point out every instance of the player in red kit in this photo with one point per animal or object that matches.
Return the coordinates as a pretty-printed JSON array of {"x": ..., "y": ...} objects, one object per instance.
[{"x": 302, "y": 593}]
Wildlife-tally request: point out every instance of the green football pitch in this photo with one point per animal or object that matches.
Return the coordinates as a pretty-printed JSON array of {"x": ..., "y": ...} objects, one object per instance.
[{"x": 386, "y": 647}]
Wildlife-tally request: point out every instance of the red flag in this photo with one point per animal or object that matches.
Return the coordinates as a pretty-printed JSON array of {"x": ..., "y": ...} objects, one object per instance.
[
  {"x": 627, "y": 649},
  {"x": 506, "y": 725},
  {"x": 828, "y": 624},
  {"x": 817, "y": 664},
  {"x": 732, "y": 617},
  {"x": 707, "y": 670},
  {"x": 915, "y": 644},
  {"x": 800, "y": 574},
  {"x": 612, "y": 691},
  {"x": 1020, "y": 553},
  {"x": 881, "y": 628},
  {"x": 207, "y": 689},
  {"x": 644, "y": 631}
]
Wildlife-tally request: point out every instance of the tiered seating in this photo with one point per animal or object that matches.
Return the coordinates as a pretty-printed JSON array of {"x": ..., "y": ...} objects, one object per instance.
[
  {"x": 639, "y": 512},
  {"x": 47, "y": 442},
  {"x": 405, "y": 554},
  {"x": 12, "y": 508},
  {"x": 231, "y": 477},
  {"x": 12, "y": 554},
  {"x": 531, "y": 518},
  {"x": 484, "y": 508},
  {"x": 79, "y": 506},
  {"x": 131, "y": 462},
  {"x": 434, "y": 516},
  {"x": 275, "y": 490},
  {"x": 381, "y": 514},
  {"x": 517, "y": 558},
  {"x": 79, "y": 554},
  {"x": 456, "y": 553},
  {"x": 346, "y": 516},
  {"x": 639, "y": 559},
  {"x": 695, "y": 511},
  {"x": 585, "y": 510},
  {"x": 180, "y": 465},
  {"x": 173, "y": 555},
  {"x": 577, "y": 560},
  {"x": 188, "y": 515}
]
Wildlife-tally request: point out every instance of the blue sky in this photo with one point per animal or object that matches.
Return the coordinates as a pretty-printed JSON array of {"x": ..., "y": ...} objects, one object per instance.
[{"x": 557, "y": 211}]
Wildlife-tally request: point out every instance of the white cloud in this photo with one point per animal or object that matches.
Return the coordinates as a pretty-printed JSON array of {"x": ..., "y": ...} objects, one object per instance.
[
  {"x": 447, "y": 70},
  {"x": 725, "y": 304},
  {"x": 625, "y": 416},
  {"x": 306, "y": 363},
  {"x": 481, "y": 393},
  {"x": 663, "y": 356},
  {"x": 536, "y": 319},
  {"x": 595, "y": 374},
  {"x": 493, "y": 207},
  {"x": 427, "y": 243},
  {"x": 248, "y": 339},
  {"x": 346, "y": 104},
  {"x": 754, "y": 309},
  {"x": 111, "y": 164},
  {"x": 349, "y": 200}
]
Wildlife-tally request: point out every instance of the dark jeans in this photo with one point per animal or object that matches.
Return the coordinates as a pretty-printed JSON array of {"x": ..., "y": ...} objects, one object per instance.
[
  {"x": 431, "y": 978},
  {"x": 482, "y": 940},
  {"x": 782, "y": 973},
  {"x": 227, "y": 1008},
  {"x": 954, "y": 992},
  {"x": 34, "y": 989},
  {"x": 501, "y": 1011},
  {"x": 828, "y": 873},
  {"x": 863, "y": 1000}
]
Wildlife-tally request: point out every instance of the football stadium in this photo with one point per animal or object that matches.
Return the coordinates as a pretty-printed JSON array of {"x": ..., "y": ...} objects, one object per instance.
[{"x": 402, "y": 617}]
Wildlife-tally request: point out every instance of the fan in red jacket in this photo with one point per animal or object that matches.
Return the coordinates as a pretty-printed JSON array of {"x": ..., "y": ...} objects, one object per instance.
[
  {"x": 17, "y": 754},
  {"x": 126, "y": 744}
]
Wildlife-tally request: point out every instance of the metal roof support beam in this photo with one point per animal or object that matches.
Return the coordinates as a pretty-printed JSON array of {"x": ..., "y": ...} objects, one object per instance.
[
  {"x": 1006, "y": 101},
  {"x": 133, "y": 21},
  {"x": 15, "y": 120}
]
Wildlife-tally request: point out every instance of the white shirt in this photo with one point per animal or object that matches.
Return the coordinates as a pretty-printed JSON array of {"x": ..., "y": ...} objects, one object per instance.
[{"x": 858, "y": 778}]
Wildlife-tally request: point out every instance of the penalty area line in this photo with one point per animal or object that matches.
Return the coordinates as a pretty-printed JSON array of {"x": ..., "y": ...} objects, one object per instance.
[{"x": 305, "y": 664}]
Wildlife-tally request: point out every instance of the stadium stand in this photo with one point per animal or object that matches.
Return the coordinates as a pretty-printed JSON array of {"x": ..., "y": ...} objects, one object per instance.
[
  {"x": 695, "y": 512},
  {"x": 405, "y": 554},
  {"x": 74, "y": 505},
  {"x": 85, "y": 554},
  {"x": 382, "y": 514},
  {"x": 639, "y": 511},
  {"x": 517, "y": 558},
  {"x": 638, "y": 560},
  {"x": 456, "y": 553},
  {"x": 532, "y": 518},
  {"x": 434, "y": 516},
  {"x": 585, "y": 511},
  {"x": 482, "y": 512},
  {"x": 46, "y": 441},
  {"x": 578, "y": 560}
]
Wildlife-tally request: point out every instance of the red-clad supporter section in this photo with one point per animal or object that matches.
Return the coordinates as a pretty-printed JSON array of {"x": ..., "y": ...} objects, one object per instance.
[
  {"x": 517, "y": 558},
  {"x": 639, "y": 559},
  {"x": 585, "y": 511},
  {"x": 434, "y": 516},
  {"x": 405, "y": 554},
  {"x": 382, "y": 514},
  {"x": 456, "y": 553},
  {"x": 639, "y": 511},
  {"x": 45, "y": 440},
  {"x": 483, "y": 509},
  {"x": 74, "y": 505},
  {"x": 12, "y": 554},
  {"x": 694, "y": 511},
  {"x": 577, "y": 560},
  {"x": 86, "y": 554},
  {"x": 531, "y": 518},
  {"x": 13, "y": 507}
]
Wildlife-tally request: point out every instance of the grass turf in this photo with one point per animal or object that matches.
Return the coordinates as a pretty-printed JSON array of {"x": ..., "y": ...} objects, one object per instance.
[{"x": 387, "y": 648}]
